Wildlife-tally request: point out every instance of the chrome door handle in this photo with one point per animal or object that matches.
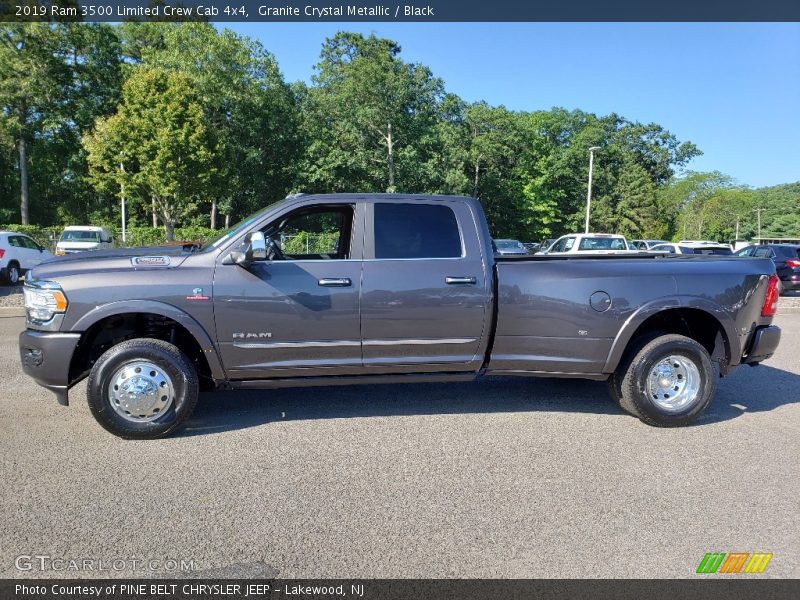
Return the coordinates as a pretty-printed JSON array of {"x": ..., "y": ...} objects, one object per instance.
[
  {"x": 460, "y": 280},
  {"x": 343, "y": 282}
]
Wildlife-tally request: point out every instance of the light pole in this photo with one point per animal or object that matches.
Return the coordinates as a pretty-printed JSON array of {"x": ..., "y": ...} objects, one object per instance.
[
  {"x": 589, "y": 190},
  {"x": 122, "y": 195},
  {"x": 758, "y": 211}
]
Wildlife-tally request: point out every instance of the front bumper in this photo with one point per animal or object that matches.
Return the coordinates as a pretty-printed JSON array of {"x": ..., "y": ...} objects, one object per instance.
[
  {"x": 765, "y": 341},
  {"x": 46, "y": 358}
]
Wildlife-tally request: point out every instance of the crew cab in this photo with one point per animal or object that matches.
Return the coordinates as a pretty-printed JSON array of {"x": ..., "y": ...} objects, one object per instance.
[{"x": 369, "y": 288}]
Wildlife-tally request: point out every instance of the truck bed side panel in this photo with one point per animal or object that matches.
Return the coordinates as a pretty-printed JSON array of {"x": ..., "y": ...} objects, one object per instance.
[{"x": 564, "y": 316}]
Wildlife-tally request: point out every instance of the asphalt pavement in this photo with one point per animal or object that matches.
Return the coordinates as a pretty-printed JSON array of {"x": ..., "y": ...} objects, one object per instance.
[{"x": 501, "y": 478}]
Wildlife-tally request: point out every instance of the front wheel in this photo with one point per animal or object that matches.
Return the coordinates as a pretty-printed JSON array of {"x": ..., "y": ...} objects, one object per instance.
[
  {"x": 668, "y": 382},
  {"x": 142, "y": 389}
]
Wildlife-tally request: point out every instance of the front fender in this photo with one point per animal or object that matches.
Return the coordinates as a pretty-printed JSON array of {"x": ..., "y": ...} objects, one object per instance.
[
  {"x": 165, "y": 310},
  {"x": 626, "y": 333}
]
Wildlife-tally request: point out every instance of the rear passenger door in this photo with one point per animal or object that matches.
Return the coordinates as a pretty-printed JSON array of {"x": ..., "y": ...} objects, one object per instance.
[{"x": 425, "y": 287}]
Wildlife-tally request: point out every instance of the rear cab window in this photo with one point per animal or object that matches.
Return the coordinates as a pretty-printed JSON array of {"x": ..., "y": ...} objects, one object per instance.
[
  {"x": 601, "y": 243},
  {"x": 406, "y": 230}
]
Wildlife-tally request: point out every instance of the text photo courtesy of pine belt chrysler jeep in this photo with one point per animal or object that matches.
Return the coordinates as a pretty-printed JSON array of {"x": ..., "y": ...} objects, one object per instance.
[{"x": 361, "y": 288}]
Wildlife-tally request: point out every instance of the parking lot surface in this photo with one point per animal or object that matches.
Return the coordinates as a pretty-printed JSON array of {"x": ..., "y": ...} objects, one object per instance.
[{"x": 500, "y": 478}]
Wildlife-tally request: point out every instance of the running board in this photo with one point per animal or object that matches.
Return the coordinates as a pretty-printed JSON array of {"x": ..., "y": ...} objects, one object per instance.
[{"x": 262, "y": 384}]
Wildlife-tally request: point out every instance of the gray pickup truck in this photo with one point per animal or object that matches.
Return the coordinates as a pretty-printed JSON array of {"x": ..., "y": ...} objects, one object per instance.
[{"x": 359, "y": 288}]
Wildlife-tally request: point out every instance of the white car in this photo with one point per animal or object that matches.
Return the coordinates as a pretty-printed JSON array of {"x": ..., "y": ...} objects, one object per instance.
[
  {"x": 711, "y": 248},
  {"x": 589, "y": 243},
  {"x": 80, "y": 238},
  {"x": 18, "y": 254}
]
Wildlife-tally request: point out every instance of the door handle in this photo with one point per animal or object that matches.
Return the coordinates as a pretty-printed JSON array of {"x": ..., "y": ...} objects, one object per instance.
[
  {"x": 343, "y": 282},
  {"x": 460, "y": 280}
]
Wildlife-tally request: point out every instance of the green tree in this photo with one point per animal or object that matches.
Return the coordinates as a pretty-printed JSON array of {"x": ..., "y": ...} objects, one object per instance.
[
  {"x": 637, "y": 209},
  {"x": 247, "y": 106},
  {"x": 33, "y": 77},
  {"x": 160, "y": 137},
  {"x": 55, "y": 79},
  {"x": 368, "y": 116}
]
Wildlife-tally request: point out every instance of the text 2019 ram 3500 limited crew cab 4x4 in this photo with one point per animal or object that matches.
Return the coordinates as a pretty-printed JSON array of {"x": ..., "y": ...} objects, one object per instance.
[{"x": 358, "y": 288}]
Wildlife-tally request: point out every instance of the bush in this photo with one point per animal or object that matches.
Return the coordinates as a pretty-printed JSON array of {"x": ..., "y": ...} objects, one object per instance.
[{"x": 135, "y": 236}]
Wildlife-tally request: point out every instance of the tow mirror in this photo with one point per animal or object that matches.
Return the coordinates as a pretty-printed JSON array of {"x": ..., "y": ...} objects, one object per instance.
[{"x": 254, "y": 248}]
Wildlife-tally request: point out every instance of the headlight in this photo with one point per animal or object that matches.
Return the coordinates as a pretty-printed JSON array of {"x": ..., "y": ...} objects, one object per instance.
[{"x": 43, "y": 299}]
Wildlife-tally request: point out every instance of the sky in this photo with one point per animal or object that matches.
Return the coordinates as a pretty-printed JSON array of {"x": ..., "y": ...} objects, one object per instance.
[{"x": 732, "y": 89}]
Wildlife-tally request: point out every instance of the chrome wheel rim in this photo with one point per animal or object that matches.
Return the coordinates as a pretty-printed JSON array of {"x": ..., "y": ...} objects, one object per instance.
[
  {"x": 140, "y": 392},
  {"x": 13, "y": 275},
  {"x": 673, "y": 383}
]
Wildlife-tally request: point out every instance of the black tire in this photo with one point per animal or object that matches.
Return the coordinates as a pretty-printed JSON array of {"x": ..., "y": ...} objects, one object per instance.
[
  {"x": 166, "y": 357},
  {"x": 12, "y": 273},
  {"x": 629, "y": 385}
]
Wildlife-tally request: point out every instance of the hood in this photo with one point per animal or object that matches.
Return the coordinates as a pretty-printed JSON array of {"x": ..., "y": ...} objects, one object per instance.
[
  {"x": 113, "y": 260},
  {"x": 71, "y": 245}
]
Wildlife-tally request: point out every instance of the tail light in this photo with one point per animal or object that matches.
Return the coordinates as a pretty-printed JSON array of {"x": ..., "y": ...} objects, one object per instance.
[
  {"x": 770, "y": 306},
  {"x": 2, "y": 253},
  {"x": 789, "y": 263}
]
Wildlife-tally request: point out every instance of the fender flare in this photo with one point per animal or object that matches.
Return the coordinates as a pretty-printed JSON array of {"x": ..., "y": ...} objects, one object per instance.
[
  {"x": 194, "y": 328},
  {"x": 644, "y": 312}
]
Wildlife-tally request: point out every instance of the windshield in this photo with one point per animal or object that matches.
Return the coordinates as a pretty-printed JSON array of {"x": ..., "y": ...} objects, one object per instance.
[
  {"x": 236, "y": 229},
  {"x": 509, "y": 245},
  {"x": 80, "y": 236},
  {"x": 602, "y": 243}
]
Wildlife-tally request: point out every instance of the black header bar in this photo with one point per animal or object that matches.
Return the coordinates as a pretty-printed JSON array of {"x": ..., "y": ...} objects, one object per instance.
[{"x": 430, "y": 11}]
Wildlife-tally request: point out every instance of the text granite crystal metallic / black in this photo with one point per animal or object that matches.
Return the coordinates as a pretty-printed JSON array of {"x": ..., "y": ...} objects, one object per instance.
[{"x": 361, "y": 288}]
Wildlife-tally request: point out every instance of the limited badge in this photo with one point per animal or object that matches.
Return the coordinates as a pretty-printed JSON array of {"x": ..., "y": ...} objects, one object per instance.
[{"x": 150, "y": 261}]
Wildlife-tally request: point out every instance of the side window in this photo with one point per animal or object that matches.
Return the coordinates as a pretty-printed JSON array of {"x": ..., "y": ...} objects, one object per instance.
[
  {"x": 29, "y": 243},
  {"x": 762, "y": 252},
  {"x": 314, "y": 233},
  {"x": 569, "y": 243},
  {"x": 416, "y": 231},
  {"x": 14, "y": 240},
  {"x": 559, "y": 245}
]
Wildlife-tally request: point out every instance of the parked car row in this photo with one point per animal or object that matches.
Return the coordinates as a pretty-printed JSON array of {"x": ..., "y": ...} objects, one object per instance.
[{"x": 786, "y": 258}]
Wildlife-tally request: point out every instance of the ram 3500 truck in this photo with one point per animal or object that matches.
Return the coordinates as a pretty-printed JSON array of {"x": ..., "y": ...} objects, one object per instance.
[{"x": 361, "y": 288}]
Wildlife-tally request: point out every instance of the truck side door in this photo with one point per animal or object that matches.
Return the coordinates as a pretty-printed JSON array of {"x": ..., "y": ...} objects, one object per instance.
[
  {"x": 296, "y": 315},
  {"x": 426, "y": 287}
]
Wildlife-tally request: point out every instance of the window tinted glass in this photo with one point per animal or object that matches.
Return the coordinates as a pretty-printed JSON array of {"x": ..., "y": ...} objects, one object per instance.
[
  {"x": 416, "y": 231},
  {"x": 761, "y": 252},
  {"x": 29, "y": 243},
  {"x": 714, "y": 251},
  {"x": 788, "y": 251},
  {"x": 664, "y": 248},
  {"x": 14, "y": 240},
  {"x": 603, "y": 243}
]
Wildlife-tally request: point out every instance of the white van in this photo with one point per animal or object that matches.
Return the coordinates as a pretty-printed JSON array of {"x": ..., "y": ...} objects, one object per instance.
[{"x": 80, "y": 238}]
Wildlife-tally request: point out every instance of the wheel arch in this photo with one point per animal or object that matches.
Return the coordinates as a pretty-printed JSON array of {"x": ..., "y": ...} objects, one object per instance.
[
  {"x": 695, "y": 318},
  {"x": 143, "y": 318}
]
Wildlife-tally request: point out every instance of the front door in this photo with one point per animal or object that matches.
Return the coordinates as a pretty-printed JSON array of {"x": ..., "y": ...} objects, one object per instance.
[
  {"x": 425, "y": 293},
  {"x": 298, "y": 314}
]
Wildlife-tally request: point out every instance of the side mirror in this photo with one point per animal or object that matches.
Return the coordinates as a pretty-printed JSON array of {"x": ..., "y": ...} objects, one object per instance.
[{"x": 254, "y": 248}]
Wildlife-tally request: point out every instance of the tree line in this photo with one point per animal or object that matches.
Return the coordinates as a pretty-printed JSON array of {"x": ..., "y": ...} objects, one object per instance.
[{"x": 197, "y": 127}]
